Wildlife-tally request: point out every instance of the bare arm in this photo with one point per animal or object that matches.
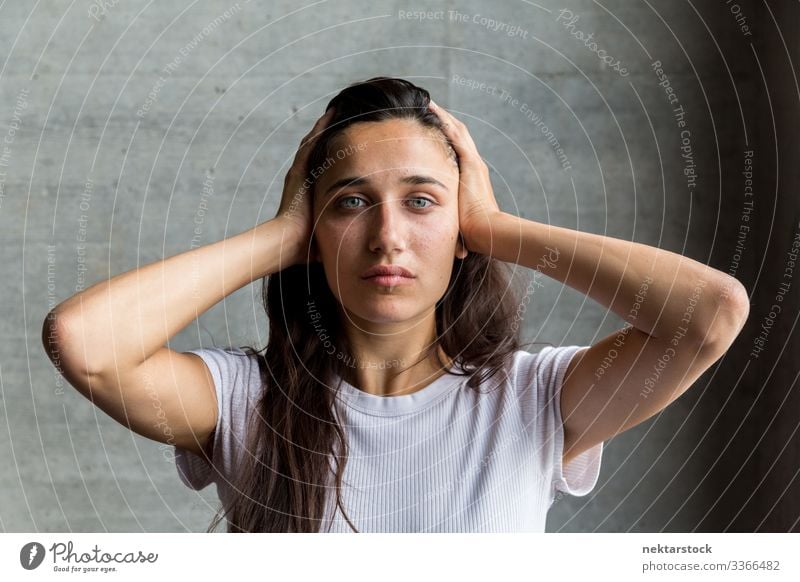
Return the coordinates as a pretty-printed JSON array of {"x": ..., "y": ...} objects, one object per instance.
[
  {"x": 109, "y": 340},
  {"x": 682, "y": 315},
  {"x": 121, "y": 322},
  {"x": 615, "y": 272},
  {"x": 611, "y": 271}
]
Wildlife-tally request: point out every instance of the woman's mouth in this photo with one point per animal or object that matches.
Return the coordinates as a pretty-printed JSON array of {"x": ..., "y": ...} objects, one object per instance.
[
  {"x": 389, "y": 280},
  {"x": 388, "y": 275}
]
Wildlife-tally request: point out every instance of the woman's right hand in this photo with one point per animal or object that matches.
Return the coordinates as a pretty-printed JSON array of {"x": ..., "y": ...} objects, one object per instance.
[{"x": 295, "y": 210}]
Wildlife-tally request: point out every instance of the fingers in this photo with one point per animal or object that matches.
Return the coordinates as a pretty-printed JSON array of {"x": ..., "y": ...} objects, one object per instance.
[
  {"x": 312, "y": 136},
  {"x": 447, "y": 118},
  {"x": 320, "y": 124},
  {"x": 456, "y": 131}
]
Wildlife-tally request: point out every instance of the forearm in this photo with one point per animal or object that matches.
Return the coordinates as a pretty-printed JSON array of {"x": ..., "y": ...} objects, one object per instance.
[
  {"x": 656, "y": 291},
  {"x": 122, "y": 321}
]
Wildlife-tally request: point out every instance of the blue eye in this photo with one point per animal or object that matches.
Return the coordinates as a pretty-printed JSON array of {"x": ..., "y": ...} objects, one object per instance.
[
  {"x": 339, "y": 202},
  {"x": 423, "y": 200}
]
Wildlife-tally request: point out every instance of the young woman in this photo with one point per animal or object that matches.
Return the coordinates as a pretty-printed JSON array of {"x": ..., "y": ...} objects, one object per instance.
[{"x": 393, "y": 394}]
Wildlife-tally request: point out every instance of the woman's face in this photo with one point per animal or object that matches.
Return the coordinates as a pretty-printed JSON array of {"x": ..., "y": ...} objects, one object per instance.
[{"x": 400, "y": 209}]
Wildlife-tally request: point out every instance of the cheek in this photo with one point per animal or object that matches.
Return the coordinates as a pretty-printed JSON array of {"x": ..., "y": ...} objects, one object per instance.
[
  {"x": 435, "y": 250},
  {"x": 431, "y": 238},
  {"x": 438, "y": 237},
  {"x": 333, "y": 238}
]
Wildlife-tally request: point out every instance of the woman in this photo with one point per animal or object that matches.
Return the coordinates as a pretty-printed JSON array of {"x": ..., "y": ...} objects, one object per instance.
[{"x": 393, "y": 394}]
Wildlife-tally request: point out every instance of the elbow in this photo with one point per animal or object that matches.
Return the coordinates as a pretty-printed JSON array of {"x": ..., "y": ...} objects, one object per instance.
[
  {"x": 59, "y": 342},
  {"x": 52, "y": 330},
  {"x": 52, "y": 336},
  {"x": 728, "y": 316}
]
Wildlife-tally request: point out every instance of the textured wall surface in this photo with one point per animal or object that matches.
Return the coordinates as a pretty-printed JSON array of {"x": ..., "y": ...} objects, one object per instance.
[{"x": 631, "y": 119}]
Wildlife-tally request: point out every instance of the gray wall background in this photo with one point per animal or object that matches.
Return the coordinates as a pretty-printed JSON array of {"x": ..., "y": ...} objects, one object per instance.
[{"x": 90, "y": 188}]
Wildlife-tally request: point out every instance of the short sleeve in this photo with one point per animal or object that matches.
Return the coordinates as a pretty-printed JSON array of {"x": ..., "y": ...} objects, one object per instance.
[
  {"x": 580, "y": 475},
  {"x": 546, "y": 371},
  {"x": 236, "y": 382}
]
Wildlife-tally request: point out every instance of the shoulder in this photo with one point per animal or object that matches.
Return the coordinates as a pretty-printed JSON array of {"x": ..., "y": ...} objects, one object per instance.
[
  {"x": 238, "y": 384},
  {"x": 236, "y": 375},
  {"x": 545, "y": 367},
  {"x": 537, "y": 377},
  {"x": 524, "y": 370},
  {"x": 230, "y": 361}
]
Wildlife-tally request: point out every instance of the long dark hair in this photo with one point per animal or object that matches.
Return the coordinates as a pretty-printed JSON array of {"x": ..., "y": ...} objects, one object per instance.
[{"x": 294, "y": 435}]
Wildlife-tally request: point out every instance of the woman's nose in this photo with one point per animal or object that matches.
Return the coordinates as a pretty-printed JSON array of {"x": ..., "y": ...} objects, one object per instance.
[{"x": 386, "y": 226}]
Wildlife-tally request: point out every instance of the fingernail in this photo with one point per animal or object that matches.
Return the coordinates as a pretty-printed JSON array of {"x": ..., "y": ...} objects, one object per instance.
[{"x": 431, "y": 102}]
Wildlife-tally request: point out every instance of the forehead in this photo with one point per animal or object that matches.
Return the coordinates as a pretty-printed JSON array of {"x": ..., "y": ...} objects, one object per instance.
[{"x": 389, "y": 147}]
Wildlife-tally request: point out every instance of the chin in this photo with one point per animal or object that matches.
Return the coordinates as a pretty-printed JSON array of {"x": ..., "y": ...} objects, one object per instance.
[{"x": 383, "y": 310}]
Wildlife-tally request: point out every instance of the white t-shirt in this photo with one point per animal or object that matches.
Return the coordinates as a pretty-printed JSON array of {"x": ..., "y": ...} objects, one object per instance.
[{"x": 442, "y": 459}]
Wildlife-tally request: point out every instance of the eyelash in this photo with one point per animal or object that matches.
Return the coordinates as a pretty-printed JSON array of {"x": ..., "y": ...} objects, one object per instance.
[{"x": 339, "y": 202}]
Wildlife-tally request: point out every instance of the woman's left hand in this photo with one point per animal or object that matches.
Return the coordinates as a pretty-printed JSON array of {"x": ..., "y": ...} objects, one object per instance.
[{"x": 476, "y": 202}]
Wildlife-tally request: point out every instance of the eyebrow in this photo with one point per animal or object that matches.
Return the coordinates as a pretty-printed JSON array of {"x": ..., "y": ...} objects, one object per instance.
[{"x": 415, "y": 179}]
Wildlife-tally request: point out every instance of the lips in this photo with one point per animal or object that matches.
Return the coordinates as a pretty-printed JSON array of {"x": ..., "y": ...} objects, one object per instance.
[{"x": 387, "y": 271}]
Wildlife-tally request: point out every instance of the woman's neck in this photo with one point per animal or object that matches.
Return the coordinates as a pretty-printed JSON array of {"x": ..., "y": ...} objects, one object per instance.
[{"x": 397, "y": 376}]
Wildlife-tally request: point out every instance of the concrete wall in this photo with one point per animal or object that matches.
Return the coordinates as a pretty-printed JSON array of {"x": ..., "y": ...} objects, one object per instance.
[{"x": 113, "y": 118}]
